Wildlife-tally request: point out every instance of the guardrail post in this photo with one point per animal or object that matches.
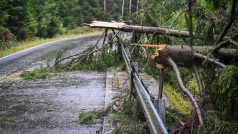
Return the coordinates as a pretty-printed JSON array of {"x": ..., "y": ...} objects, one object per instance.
[
  {"x": 160, "y": 107},
  {"x": 135, "y": 69},
  {"x": 136, "y": 66}
]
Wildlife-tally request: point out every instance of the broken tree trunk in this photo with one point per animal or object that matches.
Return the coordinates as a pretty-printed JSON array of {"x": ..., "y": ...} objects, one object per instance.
[{"x": 184, "y": 56}]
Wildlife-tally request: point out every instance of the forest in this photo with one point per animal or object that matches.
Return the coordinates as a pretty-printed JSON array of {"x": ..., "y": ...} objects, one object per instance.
[{"x": 213, "y": 21}]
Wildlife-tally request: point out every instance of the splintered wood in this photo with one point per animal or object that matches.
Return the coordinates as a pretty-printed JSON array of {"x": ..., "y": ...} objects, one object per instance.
[{"x": 102, "y": 24}]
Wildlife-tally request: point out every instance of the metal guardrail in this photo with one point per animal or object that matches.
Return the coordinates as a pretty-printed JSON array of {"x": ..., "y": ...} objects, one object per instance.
[{"x": 155, "y": 123}]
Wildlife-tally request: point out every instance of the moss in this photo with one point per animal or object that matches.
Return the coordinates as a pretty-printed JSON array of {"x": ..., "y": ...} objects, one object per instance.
[{"x": 181, "y": 105}]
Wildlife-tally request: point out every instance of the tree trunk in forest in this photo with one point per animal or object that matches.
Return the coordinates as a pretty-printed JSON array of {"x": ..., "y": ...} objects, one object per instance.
[
  {"x": 137, "y": 5},
  {"x": 105, "y": 6},
  {"x": 122, "y": 9},
  {"x": 129, "y": 15}
]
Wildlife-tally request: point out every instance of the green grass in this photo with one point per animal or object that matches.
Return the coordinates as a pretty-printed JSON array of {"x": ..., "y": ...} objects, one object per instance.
[
  {"x": 183, "y": 106},
  {"x": 19, "y": 46}
]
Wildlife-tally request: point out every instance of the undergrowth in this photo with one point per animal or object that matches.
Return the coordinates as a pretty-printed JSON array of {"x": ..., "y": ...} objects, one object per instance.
[
  {"x": 130, "y": 120},
  {"x": 175, "y": 97}
]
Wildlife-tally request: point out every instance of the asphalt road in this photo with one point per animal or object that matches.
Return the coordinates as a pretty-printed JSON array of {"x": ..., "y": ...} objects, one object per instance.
[
  {"x": 38, "y": 56},
  {"x": 49, "y": 105}
]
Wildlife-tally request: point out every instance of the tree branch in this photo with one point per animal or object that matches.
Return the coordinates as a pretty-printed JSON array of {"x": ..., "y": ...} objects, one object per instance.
[
  {"x": 198, "y": 78},
  {"x": 224, "y": 43},
  {"x": 210, "y": 60},
  {"x": 232, "y": 18},
  {"x": 190, "y": 23},
  {"x": 185, "y": 90}
]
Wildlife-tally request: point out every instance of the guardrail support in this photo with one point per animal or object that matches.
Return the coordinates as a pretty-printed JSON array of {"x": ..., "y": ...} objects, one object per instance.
[{"x": 160, "y": 107}]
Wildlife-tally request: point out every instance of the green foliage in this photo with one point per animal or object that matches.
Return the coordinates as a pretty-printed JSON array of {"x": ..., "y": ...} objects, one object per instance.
[
  {"x": 216, "y": 125},
  {"x": 225, "y": 98},
  {"x": 46, "y": 18},
  {"x": 38, "y": 74},
  {"x": 172, "y": 116},
  {"x": 6, "y": 38},
  {"x": 55, "y": 27}
]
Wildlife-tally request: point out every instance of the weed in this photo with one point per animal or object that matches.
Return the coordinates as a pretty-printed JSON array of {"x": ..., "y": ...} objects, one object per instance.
[
  {"x": 6, "y": 121},
  {"x": 38, "y": 74},
  {"x": 88, "y": 117},
  {"x": 116, "y": 83}
]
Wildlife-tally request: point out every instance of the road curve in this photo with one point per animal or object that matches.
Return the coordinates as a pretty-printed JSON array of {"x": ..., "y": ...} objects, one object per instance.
[{"x": 39, "y": 55}]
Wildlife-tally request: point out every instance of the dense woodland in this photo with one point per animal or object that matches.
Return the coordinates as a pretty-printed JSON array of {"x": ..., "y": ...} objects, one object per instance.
[{"x": 20, "y": 20}]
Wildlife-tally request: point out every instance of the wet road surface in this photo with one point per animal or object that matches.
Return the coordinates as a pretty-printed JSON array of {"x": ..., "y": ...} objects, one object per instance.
[
  {"x": 48, "y": 105},
  {"x": 52, "y": 105},
  {"x": 38, "y": 56}
]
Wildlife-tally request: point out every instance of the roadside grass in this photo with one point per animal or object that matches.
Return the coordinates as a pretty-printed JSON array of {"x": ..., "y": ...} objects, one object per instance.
[{"x": 22, "y": 45}]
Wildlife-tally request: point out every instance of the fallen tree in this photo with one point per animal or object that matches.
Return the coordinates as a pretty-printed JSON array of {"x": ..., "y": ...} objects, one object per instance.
[{"x": 141, "y": 29}]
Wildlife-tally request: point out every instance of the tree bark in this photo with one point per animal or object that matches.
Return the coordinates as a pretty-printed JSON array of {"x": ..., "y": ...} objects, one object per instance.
[
  {"x": 143, "y": 29},
  {"x": 135, "y": 28},
  {"x": 190, "y": 23}
]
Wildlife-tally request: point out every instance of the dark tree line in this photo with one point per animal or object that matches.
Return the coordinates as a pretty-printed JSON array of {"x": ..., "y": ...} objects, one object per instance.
[{"x": 45, "y": 18}]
